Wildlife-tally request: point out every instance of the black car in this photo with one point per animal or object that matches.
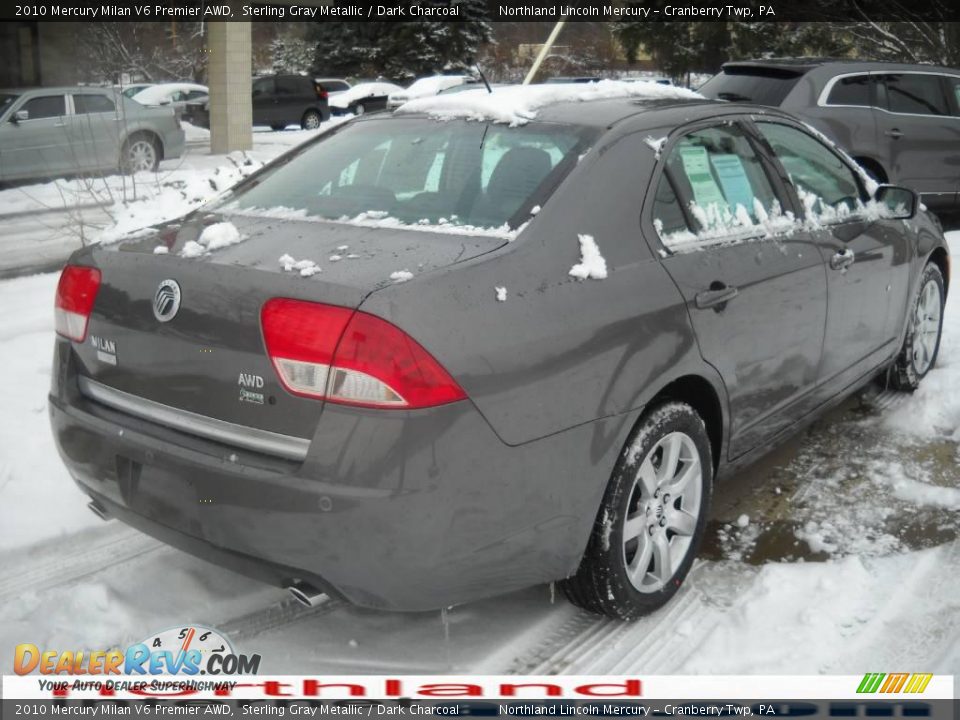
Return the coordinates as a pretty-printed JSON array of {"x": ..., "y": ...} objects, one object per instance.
[
  {"x": 281, "y": 100},
  {"x": 278, "y": 101},
  {"x": 900, "y": 122}
]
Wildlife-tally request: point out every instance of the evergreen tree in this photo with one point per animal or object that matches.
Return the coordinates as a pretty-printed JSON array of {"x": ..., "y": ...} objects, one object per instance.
[{"x": 402, "y": 51}]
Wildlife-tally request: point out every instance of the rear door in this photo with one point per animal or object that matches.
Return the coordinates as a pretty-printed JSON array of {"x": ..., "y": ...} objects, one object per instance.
[
  {"x": 919, "y": 132},
  {"x": 756, "y": 296},
  {"x": 95, "y": 129},
  {"x": 867, "y": 259}
]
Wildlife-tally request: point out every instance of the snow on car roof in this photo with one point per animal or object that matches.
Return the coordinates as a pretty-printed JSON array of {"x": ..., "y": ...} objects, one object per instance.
[
  {"x": 363, "y": 90},
  {"x": 518, "y": 104},
  {"x": 156, "y": 93}
]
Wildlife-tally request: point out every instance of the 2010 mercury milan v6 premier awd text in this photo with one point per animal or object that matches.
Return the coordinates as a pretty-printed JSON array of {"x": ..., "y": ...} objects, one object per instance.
[{"x": 489, "y": 341}]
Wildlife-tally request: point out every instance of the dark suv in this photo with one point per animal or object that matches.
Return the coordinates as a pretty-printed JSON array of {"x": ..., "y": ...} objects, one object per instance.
[
  {"x": 900, "y": 122},
  {"x": 281, "y": 100}
]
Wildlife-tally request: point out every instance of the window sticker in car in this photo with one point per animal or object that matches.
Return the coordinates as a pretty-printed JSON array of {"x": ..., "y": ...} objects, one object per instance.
[
  {"x": 696, "y": 166},
  {"x": 733, "y": 178}
]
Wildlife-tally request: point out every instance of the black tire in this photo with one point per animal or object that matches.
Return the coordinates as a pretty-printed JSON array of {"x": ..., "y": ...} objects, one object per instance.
[
  {"x": 602, "y": 583},
  {"x": 917, "y": 356},
  {"x": 311, "y": 120},
  {"x": 278, "y": 127},
  {"x": 132, "y": 155}
]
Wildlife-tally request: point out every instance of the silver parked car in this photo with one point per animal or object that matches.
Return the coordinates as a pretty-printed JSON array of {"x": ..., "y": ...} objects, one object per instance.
[{"x": 47, "y": 132}]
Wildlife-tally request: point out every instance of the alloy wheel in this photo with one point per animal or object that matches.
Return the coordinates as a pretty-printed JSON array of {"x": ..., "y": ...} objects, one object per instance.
[
  {"x": 141, "y": 156},
  {"x": 662, "y": 512},
  {"x": 926, "y": 326},
  {"x": 311, "y": 121}
]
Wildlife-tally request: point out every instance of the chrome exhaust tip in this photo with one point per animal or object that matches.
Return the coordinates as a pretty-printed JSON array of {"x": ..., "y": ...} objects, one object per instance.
[
  {"x": 99, "y": 510},
  {"x": 306, "y": 594}
]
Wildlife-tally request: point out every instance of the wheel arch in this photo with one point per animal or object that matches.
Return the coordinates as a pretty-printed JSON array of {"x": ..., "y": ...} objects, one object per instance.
[
  {"x": 143, "y": 132},
  {"x": 700, "y": 394},
  {"x": 941, "y": 259}
]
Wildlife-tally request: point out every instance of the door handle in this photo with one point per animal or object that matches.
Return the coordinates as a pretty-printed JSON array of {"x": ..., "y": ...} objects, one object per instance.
[
  {"x": 716, "y": 297},
  {"x": 895, "y": 133},
  {"x": 842, "y": 259}
]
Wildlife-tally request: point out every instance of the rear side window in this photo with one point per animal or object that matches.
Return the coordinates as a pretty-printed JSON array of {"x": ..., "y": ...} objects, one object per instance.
[
  {"x": 713, "y": 185},
  {"x": 915, "y": 94},
  {"x": 765, "y": 86},
  {"x": 292, "y": 86},
  {"x": 953, "y": 83},
  {"x": 84, "y": 104},
  {"x": 827, "y": 187},
  {"x": 854, "y": 90},
  {"x": 47, "y": 106}
]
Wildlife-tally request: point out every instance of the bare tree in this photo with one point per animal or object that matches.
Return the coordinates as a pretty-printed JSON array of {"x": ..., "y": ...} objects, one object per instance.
[{"x": 149, "y": 51}]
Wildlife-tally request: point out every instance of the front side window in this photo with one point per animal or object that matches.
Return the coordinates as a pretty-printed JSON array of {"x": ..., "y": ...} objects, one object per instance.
[
  {"x": 915, "y": 94},
  {"x": 713, "y": 186},
  {"x": 826, "y": 185},
  {"x": 418, "y": 172},
  {"x": 853, "y": 90},
  {"x": 84, "y": 104},
  {"x": 47, "y": 106}
]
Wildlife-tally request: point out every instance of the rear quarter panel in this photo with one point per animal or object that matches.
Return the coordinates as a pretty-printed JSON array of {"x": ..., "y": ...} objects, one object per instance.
[{"x": 559, "y": 352}]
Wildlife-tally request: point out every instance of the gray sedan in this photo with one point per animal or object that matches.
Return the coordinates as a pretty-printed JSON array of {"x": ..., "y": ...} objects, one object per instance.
[
  {"x": 416, "y": 362},
  {"x": 50, "y": 132}
]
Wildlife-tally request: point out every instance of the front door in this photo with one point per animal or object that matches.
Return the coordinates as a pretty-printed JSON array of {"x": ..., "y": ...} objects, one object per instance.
[
  {"x": 867, "y": 259},
  {"x": 38, "y": 146},
  {"x": 754, "y": 287},
  {"x": 921, "y": 135}
]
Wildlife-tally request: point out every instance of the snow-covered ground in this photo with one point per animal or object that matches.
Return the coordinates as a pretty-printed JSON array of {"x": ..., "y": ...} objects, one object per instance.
[
  {"x": 54, "y": 218},
  {"x": 838, "y": 554}
]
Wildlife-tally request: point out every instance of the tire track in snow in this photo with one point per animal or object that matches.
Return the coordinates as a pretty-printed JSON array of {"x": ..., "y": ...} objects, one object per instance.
[
  {"x": 61, "y": 561},
  {"x": 591, "y": 645}
]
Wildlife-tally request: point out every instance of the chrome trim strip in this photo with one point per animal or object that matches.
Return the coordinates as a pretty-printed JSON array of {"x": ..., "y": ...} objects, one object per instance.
[{"x": 264, "y": 441}]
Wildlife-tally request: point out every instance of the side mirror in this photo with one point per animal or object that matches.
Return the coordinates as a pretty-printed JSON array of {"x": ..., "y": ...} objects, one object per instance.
[
  {"x": 19, "y": 116},
  {"x": 901, "y": 202}
]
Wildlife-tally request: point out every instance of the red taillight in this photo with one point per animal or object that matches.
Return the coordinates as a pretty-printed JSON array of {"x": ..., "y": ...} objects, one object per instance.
[
  {"x": 76, "y": 293},
  {"x": 351, "y": 357},
  {"x": 321, "y": 92}
]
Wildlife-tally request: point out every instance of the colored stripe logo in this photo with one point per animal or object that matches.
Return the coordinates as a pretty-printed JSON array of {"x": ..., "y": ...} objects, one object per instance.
[{"x": 894, "y": 682}]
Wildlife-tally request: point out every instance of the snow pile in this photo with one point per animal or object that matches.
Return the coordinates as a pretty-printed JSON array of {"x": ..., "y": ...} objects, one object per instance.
[
  {"x": 501, "y": 294},
  {"x": 656, "y": 144},
  {"x": 591, "y": 265},
  {"x": 306, "y": 268},
  {"x": 215, "y": 236},
  {"x": 720, "y": 224},
  {"x": 518, "y": 104},
  {"x": 401, "y": 276}
]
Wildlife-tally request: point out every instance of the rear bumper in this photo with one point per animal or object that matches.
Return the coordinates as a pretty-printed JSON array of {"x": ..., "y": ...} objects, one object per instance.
[{"x": 403, "y": 514}]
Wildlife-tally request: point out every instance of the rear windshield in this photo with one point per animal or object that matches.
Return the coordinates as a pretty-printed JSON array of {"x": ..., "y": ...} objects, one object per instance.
[
  {"x": 418, "y": 172},
  {"x": 764, "y": 86}
]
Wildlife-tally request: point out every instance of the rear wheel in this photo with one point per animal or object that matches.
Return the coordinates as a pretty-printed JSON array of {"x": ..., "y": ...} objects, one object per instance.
[
  {"x": 311, "y": 120},
  {"x": 922, "y": 343},
  {"x": 141, "y": 153},
  {"x": 650, "y": 523}
]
